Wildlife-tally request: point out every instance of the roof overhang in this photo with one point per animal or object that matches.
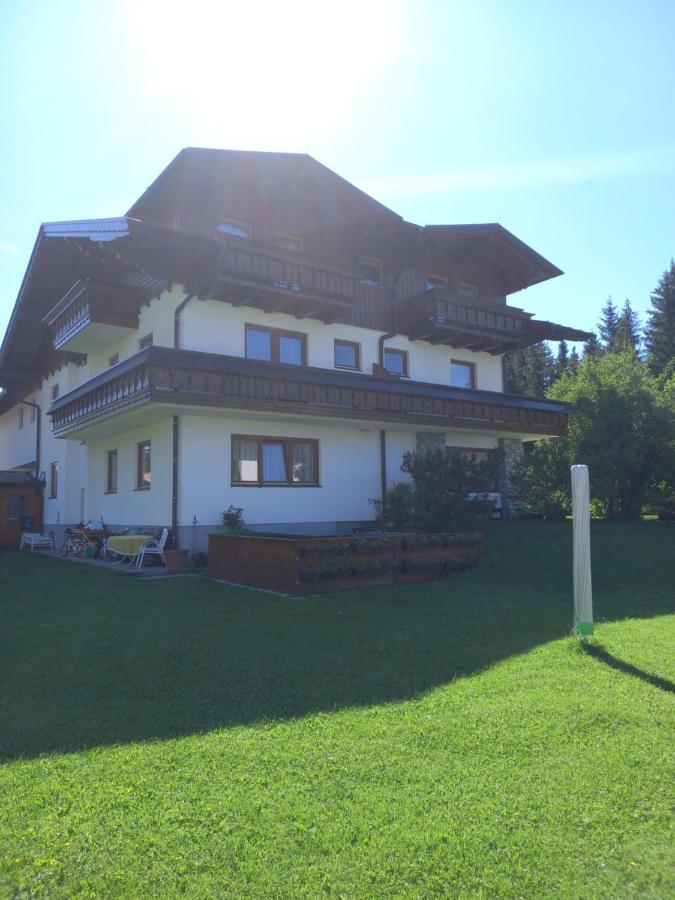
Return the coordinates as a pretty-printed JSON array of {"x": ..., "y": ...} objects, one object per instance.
[{"x": 520, "y": 265}]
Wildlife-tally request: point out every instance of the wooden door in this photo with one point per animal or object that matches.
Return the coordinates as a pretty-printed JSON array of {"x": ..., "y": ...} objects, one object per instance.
[{"x": 18, "y": 502}]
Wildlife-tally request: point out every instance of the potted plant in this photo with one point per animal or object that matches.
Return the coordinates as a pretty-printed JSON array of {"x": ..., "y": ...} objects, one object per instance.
[{"x": 176, "y": 560}]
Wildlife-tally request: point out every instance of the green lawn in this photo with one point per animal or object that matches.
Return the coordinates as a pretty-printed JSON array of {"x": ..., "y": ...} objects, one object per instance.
[{"x": 178, "y": 737}]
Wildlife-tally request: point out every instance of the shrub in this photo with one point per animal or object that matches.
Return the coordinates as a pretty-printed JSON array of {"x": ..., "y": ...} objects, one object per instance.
[{"x": 233, "y": 519}]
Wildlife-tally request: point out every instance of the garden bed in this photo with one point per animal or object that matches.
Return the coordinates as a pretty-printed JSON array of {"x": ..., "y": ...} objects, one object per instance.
[{"x": 317, "y": 565}]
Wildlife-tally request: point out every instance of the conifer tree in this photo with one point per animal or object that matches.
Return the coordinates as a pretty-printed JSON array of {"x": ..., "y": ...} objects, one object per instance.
[
  {"x": 592, "y": 348},
  {"x": 561, "y": 365},
  {"x": 528, "y": 371},
  {"x": 609, "y": 324},
  {"x": 574, "y": 362},
  {"x": 627, "y": 334},
  {"x": 660, "y": 330}
]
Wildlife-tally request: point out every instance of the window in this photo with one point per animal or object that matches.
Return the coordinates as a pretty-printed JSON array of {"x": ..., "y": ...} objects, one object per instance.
[
  {"x": 274, "y": 345},
  {"x": 17, "y": 506},
  {"x": 437, "y": 281},
  {"x": 236, "y": 229},
  {"x": 115, "y": 358},
  {"x": 145, "y": 342},
  {"x": 53, "y": 480},
  {"x": 33, "y": 413},
  {"x": 55, "y": 391},
  {"x": 369, "y": 269},
  {"x": 347, "y": 354},
  {"x": 21, "y": 417},
  {"x": 111, "y": 472},
  {"x": 270, "y": 461},
  {"x": 396, "y": 361},
  {"x": 144, "y": 466},
  {"x": 467, "y": 289},
  {"x": 462, "y": 374},
  {"x": 289, "y": 242}
]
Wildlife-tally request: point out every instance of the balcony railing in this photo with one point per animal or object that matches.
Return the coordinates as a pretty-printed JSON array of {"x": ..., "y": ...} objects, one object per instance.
[
  {"x": 87, "y": 304},
  {"x": 180, "y": 377},
  {"x": 253, "y": 274},
  {"x": 440, "y": 316}
]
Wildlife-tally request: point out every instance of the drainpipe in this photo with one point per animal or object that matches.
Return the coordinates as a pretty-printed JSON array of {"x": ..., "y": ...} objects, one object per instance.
[
  {"x": 380, "y": 355},
  {"x": 201, "y": 284},
  {"x": 383, "y": 468},
  {"x": 38, "y": 428},
  {"x": 174, "y": 486}
]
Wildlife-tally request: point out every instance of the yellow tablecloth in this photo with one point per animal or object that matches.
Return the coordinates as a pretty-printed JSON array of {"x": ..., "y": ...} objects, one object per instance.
[{"x": 128, "y": 544}]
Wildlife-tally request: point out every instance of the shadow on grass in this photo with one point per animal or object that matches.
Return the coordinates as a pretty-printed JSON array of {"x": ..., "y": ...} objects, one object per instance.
[
  {"x": 92, "y": 658},
  {"x": 614, "y": 663}
]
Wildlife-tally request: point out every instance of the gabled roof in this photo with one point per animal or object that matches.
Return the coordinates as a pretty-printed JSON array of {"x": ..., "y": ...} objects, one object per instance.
[{"x": 194, "y": 165}]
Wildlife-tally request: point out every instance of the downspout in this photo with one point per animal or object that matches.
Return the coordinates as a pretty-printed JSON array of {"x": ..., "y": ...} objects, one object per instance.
[
  {"x": 175, "y": 424},
  {"x": 38, "y": 428},
  {"x": 380, "y": 354}
]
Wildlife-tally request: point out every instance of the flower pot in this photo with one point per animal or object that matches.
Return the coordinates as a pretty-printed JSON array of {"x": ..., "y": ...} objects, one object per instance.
[{"x": 176, "y": 560}]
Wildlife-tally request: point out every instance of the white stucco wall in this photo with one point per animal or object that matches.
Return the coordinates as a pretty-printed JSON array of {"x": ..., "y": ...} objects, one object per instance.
[
  {"x": 215, "y": 327},
  {"x": 130, "y": 506},
  {"x": 349, "y": 465}
]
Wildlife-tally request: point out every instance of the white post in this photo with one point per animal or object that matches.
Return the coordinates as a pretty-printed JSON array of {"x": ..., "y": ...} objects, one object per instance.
[{"x": 581, "y": 525}]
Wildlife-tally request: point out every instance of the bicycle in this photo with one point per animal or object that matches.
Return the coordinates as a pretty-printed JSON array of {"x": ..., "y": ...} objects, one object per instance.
[{"x": 74, "y": 545}]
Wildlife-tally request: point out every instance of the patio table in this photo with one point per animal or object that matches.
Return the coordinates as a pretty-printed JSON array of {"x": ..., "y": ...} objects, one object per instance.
[{"x": 127, "y": 544}]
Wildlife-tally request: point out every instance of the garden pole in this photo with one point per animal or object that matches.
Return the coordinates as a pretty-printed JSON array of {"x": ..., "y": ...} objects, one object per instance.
[{"x": 581, "y": 526}]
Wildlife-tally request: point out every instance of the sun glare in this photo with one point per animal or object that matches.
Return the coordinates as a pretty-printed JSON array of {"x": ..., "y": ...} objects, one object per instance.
[{"x": 264, "y": 74}]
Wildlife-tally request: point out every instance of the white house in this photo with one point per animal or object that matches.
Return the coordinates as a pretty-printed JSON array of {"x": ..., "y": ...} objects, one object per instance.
[{"x": 256, "y": 331}]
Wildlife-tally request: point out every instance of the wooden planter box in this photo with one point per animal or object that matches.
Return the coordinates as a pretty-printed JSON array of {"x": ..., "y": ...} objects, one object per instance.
[{"x": 302, "y": 565}]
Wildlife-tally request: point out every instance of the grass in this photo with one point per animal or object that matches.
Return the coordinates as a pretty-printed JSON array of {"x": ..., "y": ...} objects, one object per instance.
[{"x": 180, "y": 737}]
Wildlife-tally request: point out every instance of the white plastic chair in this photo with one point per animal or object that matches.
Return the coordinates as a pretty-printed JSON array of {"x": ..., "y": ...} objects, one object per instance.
[
  {"x": 30, "y": 540},
  {"x": 153, "y": 547}
]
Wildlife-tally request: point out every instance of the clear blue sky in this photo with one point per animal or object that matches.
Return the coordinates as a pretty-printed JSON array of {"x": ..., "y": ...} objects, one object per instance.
[{"x": 555, "y": 119}]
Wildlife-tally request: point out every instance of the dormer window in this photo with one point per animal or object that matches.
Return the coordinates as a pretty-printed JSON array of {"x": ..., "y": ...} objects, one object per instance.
[
  {"x": 234, "y": 228},
  {"x": 467, "y": 289},
  {"x": 289, "y": 242},
  {"x": 369, "y": 269},
  {"x": 437, "y": 281}
]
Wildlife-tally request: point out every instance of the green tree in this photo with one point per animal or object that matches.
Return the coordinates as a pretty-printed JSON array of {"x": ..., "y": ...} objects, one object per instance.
[
  {"x": 627, "y": 334},
  {"x": 609, "y": 324},
  {"x": 622, "y": 427},
  {"x": 574, "y": 362},
  {"x": 592, "y": 348},
  {"x": 562, "y": 362},
  {"x": 528, "y": 371},
  {"x": 660, "y": 330}
]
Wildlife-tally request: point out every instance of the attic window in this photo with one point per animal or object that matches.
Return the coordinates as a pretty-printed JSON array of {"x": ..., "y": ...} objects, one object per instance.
[
  {"x": 234, "y": 228},
  {"x": 369, "y": 269},
  {"x": 468, "y": 289},
  {"x": 437, "y": 281},
  {"x": 289, "y": 242}
]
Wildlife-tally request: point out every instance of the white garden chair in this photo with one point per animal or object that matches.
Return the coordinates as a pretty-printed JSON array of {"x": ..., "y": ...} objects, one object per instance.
[
  {"x": 31, "y": 540},
  {"x": 153, "y": 547}
]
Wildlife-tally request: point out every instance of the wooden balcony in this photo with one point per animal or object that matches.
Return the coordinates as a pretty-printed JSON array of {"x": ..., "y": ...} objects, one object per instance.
[
  {"x": 442, "y": 317},
  {"x": 179, "y": 378},
  {"x": 91, "y": 316},
  {"x": 254, "y": 274}
]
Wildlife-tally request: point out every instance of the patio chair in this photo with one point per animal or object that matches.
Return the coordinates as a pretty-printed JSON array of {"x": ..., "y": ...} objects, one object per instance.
[
  {"x": 31, "y": 540},
  {"x": 153, "y": 547}
]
